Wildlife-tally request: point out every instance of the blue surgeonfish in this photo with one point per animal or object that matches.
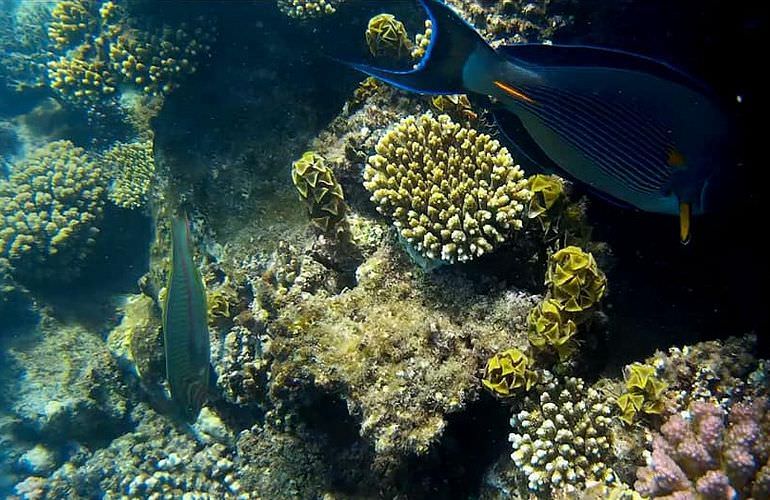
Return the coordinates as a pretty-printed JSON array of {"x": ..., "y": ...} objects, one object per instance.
[
  {"x": 185, "y": 326},
  {"x": 634, "y": 130}
]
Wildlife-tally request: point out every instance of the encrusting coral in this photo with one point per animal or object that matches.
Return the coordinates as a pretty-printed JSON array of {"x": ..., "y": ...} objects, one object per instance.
[
  {"x": 132, "y": 167},
  {"x": 644, "y": 392},
  {"x": 561, "y": 439},
  {"x": 454, "y": 193},
  {"x": 50, "y": 207},
  {"x": 507, "y": 371},
  {"x": 704, "y": 456},
  {"x": 319, "y": 189}
]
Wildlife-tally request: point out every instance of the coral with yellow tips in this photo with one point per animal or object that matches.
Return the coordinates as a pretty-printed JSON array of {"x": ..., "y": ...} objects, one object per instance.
[
  {"x": 386, "y": 37},
  {"x": 574, "y": 279},
  {"x": 50, "y": 208},
  {"x": 422, "y": 41},
  {"x": 133, "y": 169},
  {"x": 303, "y": 9},
  {"x": 72, "y": 21},
  {"x": 319, "y": 189},
  {"x": 550, "y": 328},
  {"x": 547, "y": 190},
  {"x": 507, "y": 371},
  {"x": 644, "y": 392},
  {"x": 454, "y": 193}
]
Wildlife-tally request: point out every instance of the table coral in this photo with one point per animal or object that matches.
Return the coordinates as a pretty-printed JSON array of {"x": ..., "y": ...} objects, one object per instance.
[
  {"x": 561, "y": 439},
  {"x": 702, "y": 455},
  {"x": 454, "y": 193},
  {"x": 50, "y": 207}
]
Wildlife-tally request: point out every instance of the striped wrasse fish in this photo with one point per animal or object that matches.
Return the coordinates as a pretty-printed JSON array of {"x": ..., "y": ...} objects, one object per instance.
[{"x": 185, "y": 326}]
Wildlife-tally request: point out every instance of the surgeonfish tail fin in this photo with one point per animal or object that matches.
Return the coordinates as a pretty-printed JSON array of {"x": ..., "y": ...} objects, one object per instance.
[
  {"x": 440, "y": 71},
  {"x": 685, "y": 216}
]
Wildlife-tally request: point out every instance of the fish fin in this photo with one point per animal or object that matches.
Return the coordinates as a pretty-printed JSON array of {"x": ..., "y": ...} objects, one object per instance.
[
  {"x": 685, "y": 217},
  {"x": 543, "y": 56},
  {"x": 440, "y": 71}
]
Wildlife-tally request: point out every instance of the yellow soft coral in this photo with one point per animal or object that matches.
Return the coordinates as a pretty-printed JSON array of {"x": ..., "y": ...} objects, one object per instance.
[
  {"x": 454, "y": 193},
  {"x": 319, "y": 189},
  {"x": 551, "y": 328},
  {"x": 508, "y": 371},
  {"x": 547, "y": 190},
  {"x": 386, "y": 37},
  {"x": 574, "y": 279},
  {"x": 644, "y": 392}
]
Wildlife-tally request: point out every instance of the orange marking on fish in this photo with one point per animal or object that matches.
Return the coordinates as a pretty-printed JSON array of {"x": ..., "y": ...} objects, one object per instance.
[
  {"x": 675, "y": 158},
  {"x": 516, "y": 94},
  {"x": 684, "y": 222}
]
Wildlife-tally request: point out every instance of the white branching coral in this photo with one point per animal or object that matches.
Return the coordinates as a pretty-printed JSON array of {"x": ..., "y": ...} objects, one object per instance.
[
  {"x": 561, "y": 437},
  {"x": 454, "y": 193}
]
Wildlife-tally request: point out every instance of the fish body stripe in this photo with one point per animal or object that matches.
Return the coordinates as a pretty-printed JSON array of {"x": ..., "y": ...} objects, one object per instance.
[{"x": 608, "y": 153}]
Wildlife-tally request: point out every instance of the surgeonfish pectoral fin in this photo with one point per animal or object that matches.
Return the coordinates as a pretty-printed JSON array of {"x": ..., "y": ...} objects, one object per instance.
[
  {"x": 685, "y": 214},
  {"x": 441, "y": 69}
]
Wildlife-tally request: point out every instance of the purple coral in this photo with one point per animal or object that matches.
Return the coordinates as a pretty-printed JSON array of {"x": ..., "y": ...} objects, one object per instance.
[{"x": 707, "y": 457}]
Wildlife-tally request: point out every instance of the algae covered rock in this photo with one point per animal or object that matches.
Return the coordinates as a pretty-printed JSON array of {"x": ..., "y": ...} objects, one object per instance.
[{"x": 454, "y": 193}]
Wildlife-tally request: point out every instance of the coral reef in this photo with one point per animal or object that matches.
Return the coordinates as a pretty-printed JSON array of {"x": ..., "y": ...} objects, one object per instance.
[
  {"x": 547, "y": 191},
  {"x": 454, "y": 193},
  {"x": 319, "y": 189},
  {"x": 508, "y": 371},
  {"x": 706, "y": 456},
  {"x": 512, "y": 21},
  {"x": 561, "y": 439},
  {"x": 400, "y": 352},
  {"x": 304, "y": 9},
  {"x": 102, "y": 50},
  {"x": 132, "y": 167},
  {"x": 386, "y": 37},
  {"x": 50, "y": 206}
]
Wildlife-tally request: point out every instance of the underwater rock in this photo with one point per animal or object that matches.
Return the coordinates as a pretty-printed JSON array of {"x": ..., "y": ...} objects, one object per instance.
[{"x": 71, "y": 390}]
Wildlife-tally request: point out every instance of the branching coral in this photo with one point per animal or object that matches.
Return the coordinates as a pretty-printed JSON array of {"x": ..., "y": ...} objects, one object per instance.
[
  {"x": 454, "y": 193},
  {"x": 108, "y": 50},
  {"x": 50, "y": 207},
  {"x": 561, "y": 439},
  {"x": 132, "y": 167},
  {"x": 508, "y": 371},
  {"x": 319, "y": 189},
  {"x": 303, "y": 9},
  {"x": 703, "y": 456}
]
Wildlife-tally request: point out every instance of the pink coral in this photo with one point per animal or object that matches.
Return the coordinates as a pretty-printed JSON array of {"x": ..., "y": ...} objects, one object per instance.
[{"x": 706, "y": 457}]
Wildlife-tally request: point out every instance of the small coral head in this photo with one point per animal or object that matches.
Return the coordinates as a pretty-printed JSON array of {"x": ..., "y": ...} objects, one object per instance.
[
  {"x": 574, "y": 279},
  {"x": 508, "y": 371}
]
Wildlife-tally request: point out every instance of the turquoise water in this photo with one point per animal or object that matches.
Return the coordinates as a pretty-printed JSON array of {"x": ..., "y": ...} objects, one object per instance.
[{"x": 403, "y": 313}]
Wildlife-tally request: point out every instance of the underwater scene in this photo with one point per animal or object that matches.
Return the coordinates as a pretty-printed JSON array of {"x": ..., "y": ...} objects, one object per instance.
[{"x": 383, "y": 249}]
